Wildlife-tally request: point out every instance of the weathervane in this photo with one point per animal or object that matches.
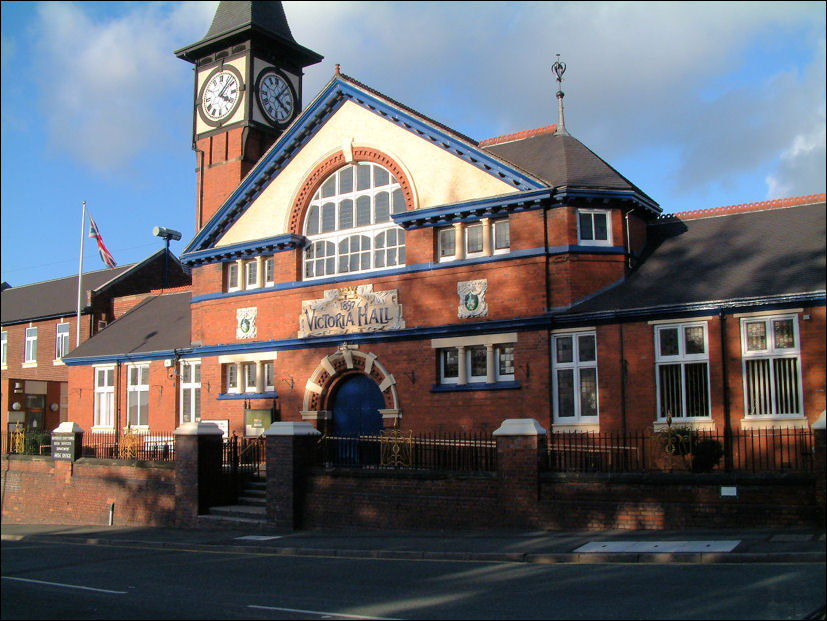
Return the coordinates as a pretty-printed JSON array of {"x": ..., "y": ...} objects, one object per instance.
[{"x": 559, "y": 68}]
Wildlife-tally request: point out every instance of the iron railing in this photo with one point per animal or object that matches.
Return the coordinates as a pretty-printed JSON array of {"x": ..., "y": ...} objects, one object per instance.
[
  {"x": 466, "y": 452},
  {"x": 143, "y": 446},
  {"x": 680, "y": 449},
  {"x": 243, "y": 459},
  {"x": 26, "y": 443}
]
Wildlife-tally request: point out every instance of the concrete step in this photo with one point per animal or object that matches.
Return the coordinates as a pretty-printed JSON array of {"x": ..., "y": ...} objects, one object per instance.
[
  {"x": 254, "y": 512},
  {"x": 251, "y": 500},
  {"x": 226, "y": 521}
]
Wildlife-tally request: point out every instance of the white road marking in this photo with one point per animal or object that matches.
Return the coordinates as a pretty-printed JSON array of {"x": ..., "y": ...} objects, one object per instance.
[
  {"x": 319, "y": 612},
  {"x": 65, "y": 586}
]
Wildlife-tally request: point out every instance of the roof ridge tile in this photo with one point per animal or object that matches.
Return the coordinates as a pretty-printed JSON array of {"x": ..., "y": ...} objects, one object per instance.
[
  {"x": 778, "y": 203},
  {"x": 526, "y": 133}
]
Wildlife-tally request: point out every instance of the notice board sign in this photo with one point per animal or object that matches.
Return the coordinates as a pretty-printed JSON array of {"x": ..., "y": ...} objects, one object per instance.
[
  {"x": 256, "y": 422},
  {"x": 66, "y": 446}
]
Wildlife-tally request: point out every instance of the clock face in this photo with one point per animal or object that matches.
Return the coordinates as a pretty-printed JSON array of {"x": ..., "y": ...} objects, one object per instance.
[
  {"x": 220, "y": 95},
  {"x": 275, "y": 97}
]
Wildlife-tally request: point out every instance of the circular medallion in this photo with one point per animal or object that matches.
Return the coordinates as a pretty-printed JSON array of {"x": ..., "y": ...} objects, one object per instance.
[
  {"x": 472, "y": 301},
  {"x": 244, "y": 325}
]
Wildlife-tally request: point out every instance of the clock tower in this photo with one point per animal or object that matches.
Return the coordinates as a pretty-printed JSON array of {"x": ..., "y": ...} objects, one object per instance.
[{"x": 248, "y": 88}]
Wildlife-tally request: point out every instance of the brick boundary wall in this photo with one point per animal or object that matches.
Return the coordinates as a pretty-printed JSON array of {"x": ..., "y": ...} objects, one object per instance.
[{"x": 41, "y": 490}]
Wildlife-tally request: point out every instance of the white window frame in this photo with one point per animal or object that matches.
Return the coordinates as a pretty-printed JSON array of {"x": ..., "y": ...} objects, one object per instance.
[
  {"x": 251, "y": 274},
  {"x": 190, "y": 410},
  {"x": 576, "y": 366},
  {"x": 771, "y": 353},
  {"x": 231, "y": 373},
  {"x": 248, "y": 377},
  {"x": 137, "y": 390},
  {"x": 104, "y": 397},
  {"x": 61, "y": 340},
  {"x": 466, "y": 234},
  {"x": 495, "y": 225},
  {"x": 30, "y": 351},
  {"x": 4, "y": 349},
  {"x": 446, "y": 234},
  {"x": 269, "y": 271},
  {"x": 683, "y": 359},
  {"x": 344, "y": 232},
  {"x": 233, "y": 275},
  {"x": 498, "y": 343},
  {"x": 592, "y": 213},
  {"x": 269, "y": 370}
]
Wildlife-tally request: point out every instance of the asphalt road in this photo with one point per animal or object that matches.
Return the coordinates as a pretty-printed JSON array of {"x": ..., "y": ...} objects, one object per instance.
[{"x": 78, "y": 581}]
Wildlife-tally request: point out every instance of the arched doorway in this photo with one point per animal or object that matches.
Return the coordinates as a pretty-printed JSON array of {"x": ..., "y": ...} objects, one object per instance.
[{"x": 356, "y": 406}]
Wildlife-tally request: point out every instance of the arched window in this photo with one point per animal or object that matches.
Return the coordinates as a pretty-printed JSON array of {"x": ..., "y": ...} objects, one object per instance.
[{"x": 349, "y": 223}]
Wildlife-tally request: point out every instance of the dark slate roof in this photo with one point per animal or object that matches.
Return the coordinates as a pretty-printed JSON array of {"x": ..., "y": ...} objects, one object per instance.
[
  {"x": 562, "y": 161},
  {"x": 732, "y": 258},
  {"x": 52, "y": 298},
  {"x": 159, "y": 323},
  {"x": 237, "y": 21}
]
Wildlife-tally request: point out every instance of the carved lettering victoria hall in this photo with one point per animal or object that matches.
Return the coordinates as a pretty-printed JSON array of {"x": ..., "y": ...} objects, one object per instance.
[{"x": 350, "y": 310}]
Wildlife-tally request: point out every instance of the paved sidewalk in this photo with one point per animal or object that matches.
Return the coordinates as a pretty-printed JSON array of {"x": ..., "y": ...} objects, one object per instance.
[{"x": 686, "y": 546}]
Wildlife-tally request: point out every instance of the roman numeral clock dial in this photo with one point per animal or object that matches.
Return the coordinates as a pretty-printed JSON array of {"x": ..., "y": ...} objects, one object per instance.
[
  {"x": 275, "y": 97},
  {"x": 220, "y": 96}
]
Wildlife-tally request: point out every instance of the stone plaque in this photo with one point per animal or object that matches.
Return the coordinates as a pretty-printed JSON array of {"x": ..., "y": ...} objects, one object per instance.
[
  {"x": 351, "y": 310},
  {"x": 472, "y": 298},
  {"x": 246, "y": 323}
]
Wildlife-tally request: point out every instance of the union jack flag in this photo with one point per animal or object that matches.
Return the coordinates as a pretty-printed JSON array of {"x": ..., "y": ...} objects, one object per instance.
[{"x": 94, "y": 233}]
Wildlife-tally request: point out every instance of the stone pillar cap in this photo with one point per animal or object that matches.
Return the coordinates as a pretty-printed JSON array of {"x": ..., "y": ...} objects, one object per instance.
[
  {"x": 198, "y": 429},
  {"x": 289, "y": 428},
  {"x": 68, "y": 427},
  {"x": 820, "y": 422},
  {"x": 520, "y": 427}
]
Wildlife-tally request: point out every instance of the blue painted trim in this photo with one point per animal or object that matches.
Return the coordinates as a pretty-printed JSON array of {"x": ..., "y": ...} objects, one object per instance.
[
  {"x": 474, "y": 386},
  {"x": 470, "y": 211},
  {"x": 279, "y": 243},
  {"x": 337, "y": 92},
  {"x": 225, "y": 396},
  {"x": 568, "y": 195},
  {"x": 181, "y": 354}
]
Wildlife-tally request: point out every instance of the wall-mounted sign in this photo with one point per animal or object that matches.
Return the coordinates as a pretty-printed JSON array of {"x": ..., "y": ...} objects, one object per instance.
[
  {"x": 256, "y": 422},
  {"x": 349, "y": 310},
  {"x": 472, "y": 298},
  {"x": 246, "y": 323}
]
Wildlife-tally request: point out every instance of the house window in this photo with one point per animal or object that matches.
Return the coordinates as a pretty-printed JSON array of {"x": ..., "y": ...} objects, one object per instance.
[
  {"x": 476, "y": 363},
  {"x": 771, "y": 366},
  {"x": 30, "y": 353},
  {"x": 4, "y": 348},
  {"x": 480, "y": 239},
  {"x": 232, "y": 277},
  {"x": 249, "y": 373},
  {"x": 190, "y": 391},
  {"x": 231, "y": 375},
  {"x": 269, "y": 378},
  {"x": 62, "y": 340},
  {"x": 594, "y": 227},
  {"x": 349, "y": 223},
  {"x": 574, "y": 358},
  {"x": 269, "y": 271},
  {"x": 137, "y": 395},
  {"x": 251, "y": 269},
  {"x": 682, "y": 360},
  {"x": 104, "y": 396}
]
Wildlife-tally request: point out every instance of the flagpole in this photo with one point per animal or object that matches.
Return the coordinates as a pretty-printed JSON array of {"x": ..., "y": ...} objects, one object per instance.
[{"x": 80, "y": 268}]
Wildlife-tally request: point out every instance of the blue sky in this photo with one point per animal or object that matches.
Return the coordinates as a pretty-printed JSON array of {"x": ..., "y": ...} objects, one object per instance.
[{"x": 699, "y": 104}]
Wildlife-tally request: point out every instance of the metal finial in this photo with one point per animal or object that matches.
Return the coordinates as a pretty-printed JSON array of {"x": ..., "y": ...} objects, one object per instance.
[{"x": 559, "y": 68}]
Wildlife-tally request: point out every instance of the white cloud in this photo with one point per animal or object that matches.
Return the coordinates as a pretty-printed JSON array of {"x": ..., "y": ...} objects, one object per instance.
[{"x": 100, "y": 79}]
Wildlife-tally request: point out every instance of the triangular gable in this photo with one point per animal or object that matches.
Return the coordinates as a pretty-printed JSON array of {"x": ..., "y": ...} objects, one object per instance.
[{"x": 342, "y": 90}]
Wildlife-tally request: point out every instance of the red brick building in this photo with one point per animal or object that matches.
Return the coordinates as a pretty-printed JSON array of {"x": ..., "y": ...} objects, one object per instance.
[
  {"x": 359, "y": 266},
  {"x": 40, "y": 328}
]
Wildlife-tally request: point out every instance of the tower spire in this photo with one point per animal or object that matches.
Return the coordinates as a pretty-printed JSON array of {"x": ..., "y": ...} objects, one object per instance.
[{"x": 559, "y": 68}]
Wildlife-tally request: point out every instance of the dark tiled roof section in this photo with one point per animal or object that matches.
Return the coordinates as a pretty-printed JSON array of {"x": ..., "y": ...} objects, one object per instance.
[
  {"x": 158, "y": 323},
  {"x": 52, "y": 298},
  {"x": 561, "y": 161},
  {"x": 743, "y": 255},
  {"x": 268, "y": 16}
]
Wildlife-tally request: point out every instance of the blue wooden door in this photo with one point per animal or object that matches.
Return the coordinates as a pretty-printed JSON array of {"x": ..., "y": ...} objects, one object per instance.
[{"x": 356, "y": 407}]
